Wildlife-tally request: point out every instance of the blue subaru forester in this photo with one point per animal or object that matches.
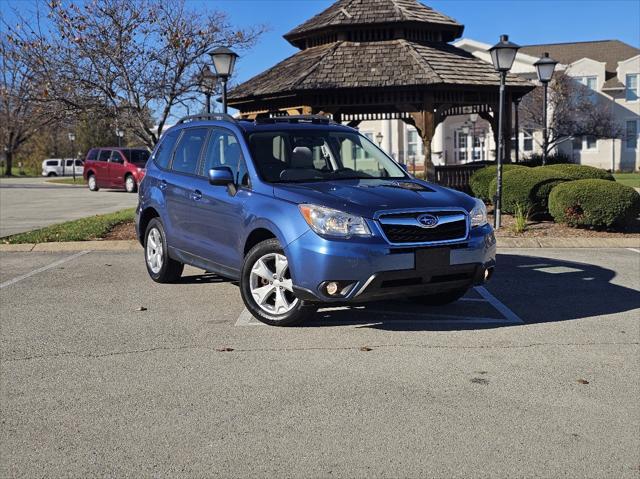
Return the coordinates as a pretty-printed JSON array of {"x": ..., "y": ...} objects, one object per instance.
[{"x": 304, "y": 212}]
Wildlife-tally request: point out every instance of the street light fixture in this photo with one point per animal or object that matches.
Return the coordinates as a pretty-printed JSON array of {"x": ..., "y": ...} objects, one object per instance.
[
  {"x": 379, "y": 138},
  {"x": 120, "y": 135},
  {"x": 224, "y": 60},
  {"x": 503, "y": 54},
  {"x": 208, "y": 81},
  {"x": 545, "y": 67},
  {"x": 72, "y": 139}
]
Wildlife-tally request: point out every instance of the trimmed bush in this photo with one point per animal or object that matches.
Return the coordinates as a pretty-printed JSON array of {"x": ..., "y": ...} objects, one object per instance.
[
  {"x": 556, "y": 158},
  {"x": 527, "y": 187},
  {"x": 594, "y": 203},
  {"x": 481, "y": 180},
  {"x": 581, "y": 172}
]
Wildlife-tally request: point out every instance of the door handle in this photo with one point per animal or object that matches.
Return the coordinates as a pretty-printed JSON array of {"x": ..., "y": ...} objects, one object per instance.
[
  {"x": 163, "y": 185},
  {"x": 196, "y": 195}
]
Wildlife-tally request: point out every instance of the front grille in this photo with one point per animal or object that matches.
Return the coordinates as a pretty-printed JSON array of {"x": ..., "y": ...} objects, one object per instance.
[{"x": 404, "y": 228}]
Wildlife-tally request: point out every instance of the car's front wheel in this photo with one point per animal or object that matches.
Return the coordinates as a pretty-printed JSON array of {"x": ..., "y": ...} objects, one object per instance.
[
  {"x": 130, "y": 184},
  {"x": 267, "y": 289},
  {"x": 439, "y": 299},
  {"x": 93, "y": 184},
  {"x": 160, "y": 266}
]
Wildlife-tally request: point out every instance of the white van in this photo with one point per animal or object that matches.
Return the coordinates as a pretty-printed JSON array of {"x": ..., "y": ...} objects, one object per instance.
[{"x": 61, "y": 167}]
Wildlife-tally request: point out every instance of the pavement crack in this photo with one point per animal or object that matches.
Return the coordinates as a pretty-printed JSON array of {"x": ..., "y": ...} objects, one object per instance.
[{"x": 216, "y": 349}]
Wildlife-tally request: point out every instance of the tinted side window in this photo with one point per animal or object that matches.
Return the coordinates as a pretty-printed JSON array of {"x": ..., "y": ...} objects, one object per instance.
[
  {"x": 223, "y": 149},
  {"x": 162, "y": 156},
  {"x": 104, "y": 155},
  {"x": 93, "y": 155},
  {"x": 69, "y": 163},
  {"x": 52, "y": 163},
  {"x": 185, "y": 159}
]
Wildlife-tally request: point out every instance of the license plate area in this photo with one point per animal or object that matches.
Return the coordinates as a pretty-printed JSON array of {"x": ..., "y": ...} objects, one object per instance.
[{"x": 433, "y": 260}]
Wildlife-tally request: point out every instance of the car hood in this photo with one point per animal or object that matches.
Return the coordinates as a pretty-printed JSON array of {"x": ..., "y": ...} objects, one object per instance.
[{"x": 366, "y": 197}]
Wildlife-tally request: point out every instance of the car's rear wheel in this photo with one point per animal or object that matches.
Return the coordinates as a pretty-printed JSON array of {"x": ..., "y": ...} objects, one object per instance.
[
  {"x": 93, "y": 184},
  {"x": 267, "y": 289},
  {"x": 160, "y": 266},
  {"x": 51, "y": 174},
  {"x": 440, "y": 299},
  {"x": 130, "y": 184}
]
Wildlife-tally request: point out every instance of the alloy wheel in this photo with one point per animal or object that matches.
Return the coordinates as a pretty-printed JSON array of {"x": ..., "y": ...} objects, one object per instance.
[
  {"x": 154, "y": 255},
  {"x": 270, "y": 284}
]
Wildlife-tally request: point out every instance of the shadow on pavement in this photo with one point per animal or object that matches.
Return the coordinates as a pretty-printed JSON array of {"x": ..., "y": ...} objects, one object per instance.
[{"x": 534, "y": 288}]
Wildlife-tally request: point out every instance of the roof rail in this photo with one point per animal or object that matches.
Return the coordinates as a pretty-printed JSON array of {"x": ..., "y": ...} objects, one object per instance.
[
  {"x": 317, "y": 119},
  {"x": 207, "y": 116}
]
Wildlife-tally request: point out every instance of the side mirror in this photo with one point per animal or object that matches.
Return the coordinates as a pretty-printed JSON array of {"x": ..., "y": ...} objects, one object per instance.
[{"x": 221, "y": 176}]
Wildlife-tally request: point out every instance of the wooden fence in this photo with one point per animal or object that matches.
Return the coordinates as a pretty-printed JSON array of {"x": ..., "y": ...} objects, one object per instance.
[{"x": 457, "y": 176}]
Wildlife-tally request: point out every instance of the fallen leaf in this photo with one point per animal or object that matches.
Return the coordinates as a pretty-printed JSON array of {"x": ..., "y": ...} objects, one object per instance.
[
  {"x": 224, "y": 350},
  {"x": 480, "y": 381},
  {"x": 107, "y": 264},
  {"x": 583, "y": 381},
  {"x": 141, "y": 308},
  {"x": 365, "y": 348}
]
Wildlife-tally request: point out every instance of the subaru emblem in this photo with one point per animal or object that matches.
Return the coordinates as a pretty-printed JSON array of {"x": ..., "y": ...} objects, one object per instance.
[{"x": 428, "y": 221}]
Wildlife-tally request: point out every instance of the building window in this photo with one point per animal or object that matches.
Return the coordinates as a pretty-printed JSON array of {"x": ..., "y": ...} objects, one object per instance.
[
  {"x": 631, "y": 136},
  {"x": 577, "y": 143},
  {"x": 632, "y": 87},
  {"x": 591, "y": 142},
  {"x": 527, "y": 144},
  {"x": 591, "y": 83},
  {"x": 413, "y": 143}
]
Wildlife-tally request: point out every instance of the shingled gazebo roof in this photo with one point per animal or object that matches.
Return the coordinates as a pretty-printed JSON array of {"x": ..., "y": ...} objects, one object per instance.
[
  {"x": 374, "y": 12},
  {"x": 368, "y": 53}
]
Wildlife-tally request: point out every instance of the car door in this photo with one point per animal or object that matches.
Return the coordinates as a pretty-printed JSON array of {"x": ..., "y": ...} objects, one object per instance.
[
  {"x": 117, "y": 169},
  {"x": 218, "y": 223},
  {"x": 102, "y": 168},
  {"x": 181, "y": 190}
]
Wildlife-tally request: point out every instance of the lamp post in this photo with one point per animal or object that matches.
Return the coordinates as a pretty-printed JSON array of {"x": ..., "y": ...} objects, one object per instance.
[
  {"x": 224, "y": 60},
  {"x": 72, "y": 139},
  {"x": 120, "y": 135},
  {"x": 503, "y": 54},
  {"x": 516, "y": 104},
  {"x": 379, "y": 138},
  {"x": 545, "y": 67},
  {"x": 208, "y": 81},
  {"x": 473, "y": 117}
]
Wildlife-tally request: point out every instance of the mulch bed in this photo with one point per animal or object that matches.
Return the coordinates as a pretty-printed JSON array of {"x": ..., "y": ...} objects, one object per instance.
[{"x": 535, "y": 229}]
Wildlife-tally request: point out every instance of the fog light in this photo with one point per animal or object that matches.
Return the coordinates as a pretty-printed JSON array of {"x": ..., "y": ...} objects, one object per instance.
[{"x": 332, "y": 288}]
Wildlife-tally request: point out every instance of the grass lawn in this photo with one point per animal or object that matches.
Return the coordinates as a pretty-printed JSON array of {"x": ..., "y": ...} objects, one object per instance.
[
  {"x": 629, "y": 179},
  {"x": 68, "y": 181},
  {"x": 93, "y": 227}
]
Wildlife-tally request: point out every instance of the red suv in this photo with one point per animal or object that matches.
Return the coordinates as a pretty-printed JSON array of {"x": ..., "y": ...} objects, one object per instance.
[{"x": 111, "y": 167}]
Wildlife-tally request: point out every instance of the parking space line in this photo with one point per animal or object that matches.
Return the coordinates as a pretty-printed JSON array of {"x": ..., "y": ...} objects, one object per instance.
[
  {"x": 41, "y": 270},
  {"x": 634, "y": 250},
  {"x": 506, "y": 312}
]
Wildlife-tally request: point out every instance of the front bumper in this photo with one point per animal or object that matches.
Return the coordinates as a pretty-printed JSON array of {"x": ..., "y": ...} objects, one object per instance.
[{"x": 371, "y": 269}]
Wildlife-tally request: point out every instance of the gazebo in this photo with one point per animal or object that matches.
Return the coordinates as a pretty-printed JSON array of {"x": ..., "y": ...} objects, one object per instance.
[{"x": 380, "y": 59}]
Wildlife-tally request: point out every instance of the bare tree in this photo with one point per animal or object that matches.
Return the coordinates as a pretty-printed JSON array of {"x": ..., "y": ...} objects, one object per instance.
[
  {"x": 574, "y": 110},
  {"x": 25, "y": 108},
  {"x": 135, "y": 61}
]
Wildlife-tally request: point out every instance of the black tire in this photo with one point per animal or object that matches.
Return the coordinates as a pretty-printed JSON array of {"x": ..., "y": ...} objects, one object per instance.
[
  {"x": 170, "y": 270},
  {"x": 130, "y": 184},
  {"x": 299, "y": 312},
  {"x": 440, "y": 299},
  {"x": 51, "y": 174},
  {"x": 92, "y": 183}
]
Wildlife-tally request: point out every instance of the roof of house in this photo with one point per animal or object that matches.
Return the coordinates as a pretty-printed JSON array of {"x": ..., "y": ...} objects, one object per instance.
[
  {"x": 607, "y": 51},
  {"x": 374, "y": 12},
  {"x": 382, "y": 64}
]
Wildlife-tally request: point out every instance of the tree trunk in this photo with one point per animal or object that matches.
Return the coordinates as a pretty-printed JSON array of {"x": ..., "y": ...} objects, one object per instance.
[{"x": 8, "y": 158}]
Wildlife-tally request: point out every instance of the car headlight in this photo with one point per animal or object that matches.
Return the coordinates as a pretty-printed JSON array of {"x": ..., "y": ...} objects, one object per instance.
[
  {"x": 478, "y": 214},
  {"x": 330, "y": 222}
]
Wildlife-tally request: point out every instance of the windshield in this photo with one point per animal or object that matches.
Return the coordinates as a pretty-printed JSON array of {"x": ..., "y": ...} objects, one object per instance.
[
  {"x": 137, "y": 157},
  {"x": 299, "y": 156}
]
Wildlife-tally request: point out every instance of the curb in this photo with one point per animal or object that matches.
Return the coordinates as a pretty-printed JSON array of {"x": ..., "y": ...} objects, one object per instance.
[{"x": 133, "y": 245}]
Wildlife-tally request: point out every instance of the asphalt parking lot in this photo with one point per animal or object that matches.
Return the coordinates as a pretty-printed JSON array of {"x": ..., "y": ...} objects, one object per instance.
[
  {"x": 534, "y": 376},
  {"x": 50, "y": 203}
]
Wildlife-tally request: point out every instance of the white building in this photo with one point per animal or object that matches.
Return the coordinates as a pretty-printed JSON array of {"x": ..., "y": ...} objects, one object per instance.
[{"x": 611, "y": 68}]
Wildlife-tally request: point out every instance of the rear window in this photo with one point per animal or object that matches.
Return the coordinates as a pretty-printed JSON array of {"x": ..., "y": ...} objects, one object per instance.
[
  {"x": 104, "y": 155},
  {"x": 162, "y": 156},
  {"x": 137, "y": 157}
]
